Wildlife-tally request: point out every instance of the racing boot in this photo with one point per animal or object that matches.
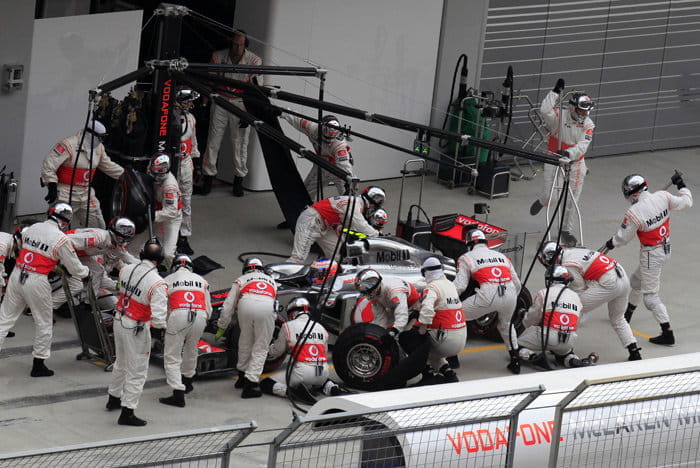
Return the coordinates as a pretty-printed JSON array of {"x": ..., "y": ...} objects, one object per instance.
[
  {"x": 333, "y": 389},
  {"x": 205, "y": 188},
  {"x": 514, "y": 365},
  {"x": 177, "y": 399},
  {"x": 39, "y": 369},
  {"x": 634, "y": 352},
  {"x": 128, "y": 418},
  {"x": 539, "y": 361},
  {"x": 267, "y": 386},
  {"x": 238, "y": 186},
  {"x": 453, "y": 361},
  {"x": 283, "y": 225},
  {"x": 10, "y": 334},
  {"x": 251, "y": 390},
  {"x": 666, "y": 337},
  {"x": 449, "y": 375},
  {"x": 629, "y": 312},
  {"x": 183, "y": 246},
  {"x": 568, "y": 239},
  {"x": 240, "y": 383},
  {"x": 535, "y": 208},
  {"x": 428, "y": 378},
  {"x": 113, "y": 403},
  {"x": 301, "y": 394},
  {"x": 187, "y": 382}
]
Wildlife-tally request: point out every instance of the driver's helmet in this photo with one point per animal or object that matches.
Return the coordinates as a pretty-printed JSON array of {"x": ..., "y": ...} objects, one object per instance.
[{"x": 318, "y": 269}]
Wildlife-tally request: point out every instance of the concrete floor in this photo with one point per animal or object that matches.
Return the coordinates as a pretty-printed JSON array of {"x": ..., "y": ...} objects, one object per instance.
[{"x": 69, "y": 407}]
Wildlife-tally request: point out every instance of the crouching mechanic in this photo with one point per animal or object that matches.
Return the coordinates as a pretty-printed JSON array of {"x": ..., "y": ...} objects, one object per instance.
[
  {"x": 143, "y": 302},
  {"x": 189, "y": 308},
  {"x": 308, "y": 343},
  {"x": 392, "y": 296},
  {"x": 44, "y": 245},
  {"x": 497, "y": 286},
  {"x": 68, "y": 171},
  {"x": 252, "y": 296},
  {"x": 322, "y": 221},
  {"x": 441, "y": 316},
  {"x": 560, "y": 323},
  {"x": 649, "y": 218},
  {"x": 597, "y": 279}
]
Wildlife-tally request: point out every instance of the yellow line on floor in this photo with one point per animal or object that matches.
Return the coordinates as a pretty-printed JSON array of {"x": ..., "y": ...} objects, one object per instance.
[
  {"x": 483, "y": 348},
  {"x": 643, "y": 335}
]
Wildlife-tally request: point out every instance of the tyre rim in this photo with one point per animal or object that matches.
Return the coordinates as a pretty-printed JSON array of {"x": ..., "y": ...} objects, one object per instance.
[{"x": 364, "y": 360}]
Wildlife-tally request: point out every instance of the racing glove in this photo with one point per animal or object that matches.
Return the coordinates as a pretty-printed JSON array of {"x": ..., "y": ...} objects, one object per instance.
[
  {"x": 393, "y": 332},
  {"x": 52, "y": 196},
  {"x": 563, "y": 153},
  {"x": 609, "y": 244},
  {"x": 559, "y": 87},
  {"x": 219, "y": 333},
  {"x": 677, "y": 180}
]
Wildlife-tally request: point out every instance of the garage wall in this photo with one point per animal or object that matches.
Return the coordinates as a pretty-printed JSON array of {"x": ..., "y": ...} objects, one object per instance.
[
  {"x": 640, "y": 62},
  {"x": 381, "y": 57}
]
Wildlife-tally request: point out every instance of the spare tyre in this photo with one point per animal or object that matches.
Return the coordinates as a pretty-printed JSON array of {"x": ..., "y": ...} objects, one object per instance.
[
  {"x": 132, "y": 194},
  {"x": 363, "y": 355},
  {"x": 485, "y": 326}
]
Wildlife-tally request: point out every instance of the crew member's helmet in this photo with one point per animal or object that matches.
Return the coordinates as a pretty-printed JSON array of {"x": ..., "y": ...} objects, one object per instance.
[
  {"x": 374, "y": 197},
  {"x": 159, "y": 167},
  {"x": 557, "y": 274},
  {"x": 182, "y": 261},
  {"x": 580, "y": 105},
  {"x": 632, "y": 186},
  {"x": 298, "y": 306},
  {"x": 123, "y": 229},
  {"x": 476, "y": 236},
  {"x": 252, "y": 264},
  {"x": 62, "y": 213},
  {"x": 329, "y": 126},
  {"x": 367, "y": 281},
  {"x": 549, "y": 254}
]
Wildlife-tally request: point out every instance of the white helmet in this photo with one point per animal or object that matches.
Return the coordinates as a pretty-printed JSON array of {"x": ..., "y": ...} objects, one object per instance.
[
  {"x": 62, "y": 213},
  {"x": 549, "y": 253},
  {"x": 298, "y": 306},
  {"x": 374, "y": 196},
  {"x": 182, "y": 261},
  {"x": 329, "y": 124},
  {"x": 557, "y": 274},
  {"x": 124, "y": 229},
  {"x": 97, "y": 128},
  {"x": 431, "y": 269},
  {"x": 159, "y": 167},
  {"x": 632, "y": 186},
  {"x": 367, "y": 281},
  {"x": 580, "y": 105},
  {"x": 378, "y": 219},
  {"x": 476, "y": 236},
  {"x": 252, "y": 264}
]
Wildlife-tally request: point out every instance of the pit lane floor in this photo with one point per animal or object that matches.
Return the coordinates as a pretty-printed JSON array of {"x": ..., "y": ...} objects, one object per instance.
[{"x": 68, "y": 408}]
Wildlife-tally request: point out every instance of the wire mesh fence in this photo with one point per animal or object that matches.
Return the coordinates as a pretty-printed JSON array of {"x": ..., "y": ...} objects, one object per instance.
[
  {"x": 197, "y": 448},
  {"x": 474, "y": 431},
  {"x": 651, "y": 421}
]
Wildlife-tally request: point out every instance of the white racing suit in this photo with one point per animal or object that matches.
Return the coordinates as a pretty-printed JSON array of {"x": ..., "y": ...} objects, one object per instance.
[
  {"x": 188, "y": 150},
  {"x": 43, "y": 247},
  {"x": 58, "y": 167},
  {"x": 649, "y": 219},
  {"x": 335, "y": 151},
  {"x": 498, "y": 289},
  {"x": 189, "y": 306},
  {"x": 93, "y": 246},
  {"x": 143, "y": 302},
  {"x": 441, "y": 310},
  {"x": 253, "y": 297},
  {"x": 388, "y": 306},
  {"x": 6, "y": 244},
  {"x": 220, "y": 119},
  {"x": 573, "y": 136},
  {"x": 599, "y": 279},
  {"x": 321, "y": 223},
  {"x": 560, "y": 324}
]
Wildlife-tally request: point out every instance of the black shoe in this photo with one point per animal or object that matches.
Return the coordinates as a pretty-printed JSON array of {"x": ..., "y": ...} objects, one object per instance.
[
  {"x": 240, "y": 383},
  {"x": 10, "y": 334},
  {"x": 568, "y": 240},
  {"x": 63, "y": 311},
  {"x": 177, "y": 399},
  {"x": 634, "y": 352},
  {"x": 251, "y": 390},
  {"x": 514, "y": 365},
  {"x": 128, "y": 418},
  {"x": 665, "y": 338},
  {"x": 449, "y": 376},
  {"x": 301, "y": 394},
  {"x": 539, "y": 361},
  {"x": 113, "y": 403},
  {"x": 453, "y": 361},
  {"x": 187, "y": 382},
  {"x": 238, "y": 186},
  {"x": 267, "y": 386},
  {"x": 535, "y": 208},
  {"x": 205, "y": 188},
  {"x": 39, "y": 369},
  {"x": 183, "y": 246},
  {"x": 629, "y": 312},
  {"x": 283, "y": 225},
  {"x": 429, "y": 379}
]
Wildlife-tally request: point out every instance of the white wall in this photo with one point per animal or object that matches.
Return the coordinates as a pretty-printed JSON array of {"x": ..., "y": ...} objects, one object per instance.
[
  {"x": 70, "y": 56},
  {"x": 381, "y": 58}
]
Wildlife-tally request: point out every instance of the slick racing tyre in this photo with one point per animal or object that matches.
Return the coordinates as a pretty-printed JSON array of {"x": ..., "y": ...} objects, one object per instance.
[
  {"x": 485, "y": 326},
  {"x": 363, "y": 355},
  {"x": 132, "y": 194}
]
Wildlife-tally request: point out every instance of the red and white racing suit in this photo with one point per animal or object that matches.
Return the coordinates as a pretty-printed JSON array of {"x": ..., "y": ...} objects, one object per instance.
[
  {"x": 221, "y": 119},
  {"x": 599, "y": 279},
  {"x": 253, "y": 297},
  {"x": 93, "y": 246},
  {"x": 561, "y": 318},
  {"x": 321, "y": 223},
  {"x": 189, "y": 308},
  {"x": 388, "y": 306},
  {"x": 649, "y": 219},
  {"x": 143, "y": 302},
  {"x": 58, "y": 167},
  {"x": 498, "y": 289},
  {"x": 573, "y": 136},
  {"x": 335, "y": 151},
  {"x": 43, "y": 247},
  {"x": 441, "y": 310},
  {"x": 188, "y": 150}
]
